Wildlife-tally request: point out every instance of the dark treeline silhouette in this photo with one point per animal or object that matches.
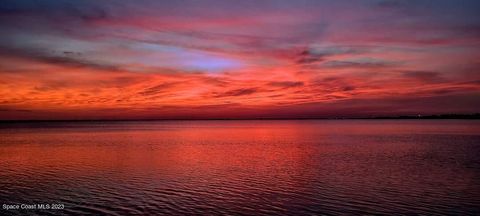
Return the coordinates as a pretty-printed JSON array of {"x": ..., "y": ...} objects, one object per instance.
[{"x": 440, "y": 116}]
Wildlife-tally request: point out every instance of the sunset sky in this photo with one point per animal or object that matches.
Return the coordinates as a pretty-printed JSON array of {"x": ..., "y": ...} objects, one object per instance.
[{"x": 99, "y": 59}]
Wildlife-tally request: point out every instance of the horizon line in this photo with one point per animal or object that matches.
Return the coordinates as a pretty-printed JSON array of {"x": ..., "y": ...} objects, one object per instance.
[{"x": 472, "y": 116}]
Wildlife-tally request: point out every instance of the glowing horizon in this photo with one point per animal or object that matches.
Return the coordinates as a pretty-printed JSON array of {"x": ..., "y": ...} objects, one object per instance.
[{"x": 237, "y": 59}]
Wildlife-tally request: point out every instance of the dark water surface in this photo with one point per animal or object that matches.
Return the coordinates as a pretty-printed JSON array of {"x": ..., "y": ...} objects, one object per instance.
[{"x": 306, "y": 167}]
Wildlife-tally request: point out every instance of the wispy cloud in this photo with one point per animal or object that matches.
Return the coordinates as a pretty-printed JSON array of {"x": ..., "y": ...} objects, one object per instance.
[{"x": 169, "y": 58}]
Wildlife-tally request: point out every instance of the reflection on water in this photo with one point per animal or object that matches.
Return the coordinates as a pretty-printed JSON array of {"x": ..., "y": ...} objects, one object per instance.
[{"x": 243, "y": 167}]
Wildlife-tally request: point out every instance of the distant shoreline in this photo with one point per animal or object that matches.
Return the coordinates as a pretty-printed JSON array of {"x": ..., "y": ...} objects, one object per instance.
[{"x": 475, "y": 116}]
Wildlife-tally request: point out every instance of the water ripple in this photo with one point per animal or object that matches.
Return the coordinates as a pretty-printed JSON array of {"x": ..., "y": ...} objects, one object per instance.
[{"x": 244, "y": 168}]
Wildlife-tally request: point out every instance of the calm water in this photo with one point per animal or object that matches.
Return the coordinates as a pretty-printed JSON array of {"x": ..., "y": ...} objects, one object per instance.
[{"x": 243, "y": 167}]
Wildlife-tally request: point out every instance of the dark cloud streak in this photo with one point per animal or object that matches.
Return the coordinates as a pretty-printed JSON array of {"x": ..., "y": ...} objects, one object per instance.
[{"x": 237, "y": 92}]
